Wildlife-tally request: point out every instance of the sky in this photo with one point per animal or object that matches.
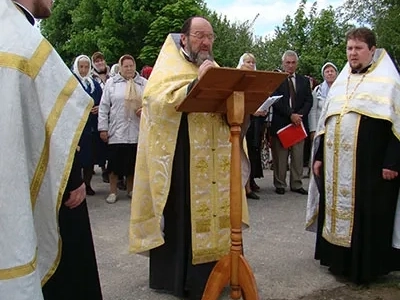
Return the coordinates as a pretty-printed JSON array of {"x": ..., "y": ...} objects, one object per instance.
[{"x": 271, "y": 12}]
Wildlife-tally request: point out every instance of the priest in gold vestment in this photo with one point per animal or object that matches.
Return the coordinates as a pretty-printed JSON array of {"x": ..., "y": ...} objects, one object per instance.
[
  {"x": 180, "y": 202},
  {"x": 357, "y": 161}
]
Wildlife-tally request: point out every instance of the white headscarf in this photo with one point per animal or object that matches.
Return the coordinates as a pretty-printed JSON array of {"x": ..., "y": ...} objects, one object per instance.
[
  {"x": 114, "y": 70},
  {"x": 324, "y": 87},
  {"x": 241, "y": 60},
  {"x": 86, "y": 80}
]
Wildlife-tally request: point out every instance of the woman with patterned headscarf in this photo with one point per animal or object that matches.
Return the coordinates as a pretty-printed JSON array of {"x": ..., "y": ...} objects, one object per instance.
[
  {"x": 119, "y": 119},
  {"x": 329, "y": 73}
]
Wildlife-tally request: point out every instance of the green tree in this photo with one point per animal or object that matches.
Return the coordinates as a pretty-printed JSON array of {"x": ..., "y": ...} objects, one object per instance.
[
  {"x": 169, "y": 19},
  {"x": 233, "y": 39},
  {"x": 114, "y": 27},
  {"x": 382, "y": 16},
  {"x": 58, "y": 28},
  {"x": 316, "y": 36}
]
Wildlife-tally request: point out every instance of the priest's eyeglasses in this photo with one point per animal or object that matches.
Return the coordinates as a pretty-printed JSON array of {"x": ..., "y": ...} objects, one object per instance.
[{"x": 201, "y": 35}]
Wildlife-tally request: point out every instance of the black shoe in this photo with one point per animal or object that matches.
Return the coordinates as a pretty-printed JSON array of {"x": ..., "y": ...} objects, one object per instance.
[
  {"x": 252, "y": 195},
  {"x": 90, "y": 191},
  {"x": 300, "y": 191},
  {"x": 104, "y": 175},
  {"x": 280, "y": 191}
]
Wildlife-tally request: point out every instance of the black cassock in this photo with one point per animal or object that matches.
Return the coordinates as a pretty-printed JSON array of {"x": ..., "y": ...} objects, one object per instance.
[
  {"x": 77, "y": 275},
  {"x": 371, "y": 253}
]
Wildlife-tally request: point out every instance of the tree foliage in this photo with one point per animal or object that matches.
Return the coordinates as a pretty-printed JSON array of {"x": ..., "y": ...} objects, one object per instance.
[
  {"x": 382, "y": 16},
  {"x": 58, "y": 28},
  {"x": 169, "y": 19},
  {"x": 233, "y": 39},
  {"x": 316, "y": 36},
  {"x": 139, "y": 27}
]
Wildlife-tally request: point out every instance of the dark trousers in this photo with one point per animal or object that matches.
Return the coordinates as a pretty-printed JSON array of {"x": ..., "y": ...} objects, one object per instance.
[{"x": 280, "y": 157}]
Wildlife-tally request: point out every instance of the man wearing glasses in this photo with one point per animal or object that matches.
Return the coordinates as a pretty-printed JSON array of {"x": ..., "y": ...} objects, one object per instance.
[{"x": 180, "y": 202}]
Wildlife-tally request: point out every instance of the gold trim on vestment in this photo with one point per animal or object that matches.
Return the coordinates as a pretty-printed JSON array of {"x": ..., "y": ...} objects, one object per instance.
[
  {"x": 379, "y": 80},
  {"x": 50, "y": 125},
  {"x": 364, "y": 97},
  {"x": 29, "y": 67},
  {"x": 64, "y": 182},
  {"x": 336, "y": 146},
  {"x": 365, "y": 113},
  {"x": 209, "y": 151},
  {"x": 341, "y": 191},
  {"x": 312, "y": 219},
  {"x": 19, "y": 271},
  {"x": 376, "y": 62},
  {"x": 353, "y": 183}
]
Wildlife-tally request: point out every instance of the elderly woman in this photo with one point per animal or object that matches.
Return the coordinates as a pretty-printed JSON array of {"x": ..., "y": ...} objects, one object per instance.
[
  {"x": 114, "y": 70},
  {"x": 329, "y": 73},
  {"x": 119, "y": 117},
  {"x": 254, "y": 136},
  {"x": 90, "y": 144}
]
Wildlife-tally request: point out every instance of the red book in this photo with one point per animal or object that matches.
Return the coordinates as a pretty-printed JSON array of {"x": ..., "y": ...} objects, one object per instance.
[{"x": 291, "y": 135}]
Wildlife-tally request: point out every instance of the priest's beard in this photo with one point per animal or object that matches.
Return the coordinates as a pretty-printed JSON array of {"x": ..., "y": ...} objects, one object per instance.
[
  {"x": 356, "y": 66},
  {"x": 200, "y": 56}
]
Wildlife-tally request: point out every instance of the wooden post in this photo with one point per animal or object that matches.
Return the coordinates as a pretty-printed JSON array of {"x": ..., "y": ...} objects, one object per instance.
[
  {"x": 235, "y": 109},
  {"x": 234, "y": 267},
  {"x": 225, "y": 90}
]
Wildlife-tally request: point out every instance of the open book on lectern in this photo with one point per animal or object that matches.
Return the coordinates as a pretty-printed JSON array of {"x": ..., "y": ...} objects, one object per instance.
[{"x": 211, "y": 92}]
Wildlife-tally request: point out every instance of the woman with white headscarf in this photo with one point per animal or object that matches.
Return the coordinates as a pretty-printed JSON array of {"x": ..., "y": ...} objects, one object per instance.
[
  {"x": 114, "y": 70},
  {"x": 119, "y": 119},
  {"x": 329, "y": 73},
  {"x": 92, "y": 149}
]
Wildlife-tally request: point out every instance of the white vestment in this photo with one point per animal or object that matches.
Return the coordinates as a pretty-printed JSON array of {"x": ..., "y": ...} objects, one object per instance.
[
  {"x": 43, "y": 112},
  {"x": 375, "y": 94}
]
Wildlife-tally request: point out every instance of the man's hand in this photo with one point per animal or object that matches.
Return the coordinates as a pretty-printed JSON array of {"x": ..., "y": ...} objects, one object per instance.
[
  {"x": 207, "y": 64},
  {"x": 139, "y": 112},
  {"x": 76, "y": 197},
  {"x": 389, "y": 174},
  {"x": 95, "y": 110},
  {"x": 317, "y": 168},
  {"x": 104, "y": 136},
  {"x": 262, "y": 113},
  {"x": 296, "y": 119}
]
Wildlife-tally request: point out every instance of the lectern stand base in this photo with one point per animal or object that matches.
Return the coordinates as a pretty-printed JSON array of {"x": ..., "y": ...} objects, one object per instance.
[{"x": 220, "y": 278}]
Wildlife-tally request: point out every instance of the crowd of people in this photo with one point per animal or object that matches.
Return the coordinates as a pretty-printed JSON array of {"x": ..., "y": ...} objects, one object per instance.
[
  {"x": 109, "y": 139},
  {"x": 176, "y": 166}
]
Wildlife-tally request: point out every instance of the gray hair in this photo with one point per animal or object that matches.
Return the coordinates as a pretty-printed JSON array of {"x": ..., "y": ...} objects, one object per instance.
[{"x": 289, "y": 53}]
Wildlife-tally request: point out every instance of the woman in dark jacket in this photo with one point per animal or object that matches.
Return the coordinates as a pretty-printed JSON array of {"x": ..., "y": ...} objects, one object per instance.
[{"x": 92, "y": 148}]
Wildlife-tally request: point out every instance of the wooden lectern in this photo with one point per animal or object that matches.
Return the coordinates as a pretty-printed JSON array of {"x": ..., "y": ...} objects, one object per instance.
[{"x": 234, "y": 92}]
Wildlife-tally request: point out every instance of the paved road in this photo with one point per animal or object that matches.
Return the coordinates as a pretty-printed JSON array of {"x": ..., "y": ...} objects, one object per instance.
[{"x": 277, "y": 247}]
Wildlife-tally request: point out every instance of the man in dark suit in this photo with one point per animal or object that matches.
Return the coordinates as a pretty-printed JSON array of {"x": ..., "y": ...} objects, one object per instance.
[{"x": 292, "y": 108}]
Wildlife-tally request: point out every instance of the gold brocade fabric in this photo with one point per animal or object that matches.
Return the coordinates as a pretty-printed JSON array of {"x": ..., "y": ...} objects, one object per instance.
[
  {"x": 375, "y": 94},
  {"x": 210, "y": 152}
]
